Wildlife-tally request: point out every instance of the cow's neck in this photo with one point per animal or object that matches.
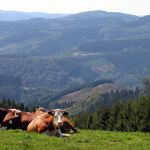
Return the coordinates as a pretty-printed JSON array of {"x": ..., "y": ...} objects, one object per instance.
[{"x": 56, "y": 126}]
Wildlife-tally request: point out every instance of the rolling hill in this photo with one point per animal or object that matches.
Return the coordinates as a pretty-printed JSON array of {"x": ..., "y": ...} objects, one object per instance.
[
  {"x": 76, "y": 49},
  {"x": 85, "y": 93},
  {"x": 90, "y": 99}
]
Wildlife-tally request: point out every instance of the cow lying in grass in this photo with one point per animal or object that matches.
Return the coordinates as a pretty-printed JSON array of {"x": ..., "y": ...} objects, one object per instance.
[
  {"x": 48, "y": 123},
  {"x": 7, "y": 113},
  {"x": 15, "y": 119}
]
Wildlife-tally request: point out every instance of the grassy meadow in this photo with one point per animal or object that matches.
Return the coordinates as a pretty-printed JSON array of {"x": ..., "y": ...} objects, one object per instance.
[{"x": 86, "y": 140}]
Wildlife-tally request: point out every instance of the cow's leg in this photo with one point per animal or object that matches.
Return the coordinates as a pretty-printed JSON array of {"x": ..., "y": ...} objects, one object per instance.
[
  {"x": 58, "y": 133},
  {"x": 3, "y": 128},
  {"x": 67, "y": 126}
]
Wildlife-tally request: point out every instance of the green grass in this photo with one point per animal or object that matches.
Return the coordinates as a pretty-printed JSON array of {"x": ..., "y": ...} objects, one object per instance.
[{"x": 85, "y": 140}]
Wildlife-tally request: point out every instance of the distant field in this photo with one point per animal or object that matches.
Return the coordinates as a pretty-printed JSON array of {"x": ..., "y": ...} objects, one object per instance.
[{"x": 86, "y": 140}]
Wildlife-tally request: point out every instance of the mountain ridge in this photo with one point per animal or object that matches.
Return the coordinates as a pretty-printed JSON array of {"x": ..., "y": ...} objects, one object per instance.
[
  {"x": 18, "y": 15},
  {"x": 99, "y": 13}
]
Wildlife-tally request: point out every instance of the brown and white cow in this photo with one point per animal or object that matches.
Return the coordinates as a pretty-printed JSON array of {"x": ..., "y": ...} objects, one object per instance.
[
  {"x": 7, "y": 113},
  {"x": 20, "y": 120},
  {"x": 48, "y": 123},
  {"x": 39, "y": 111}
]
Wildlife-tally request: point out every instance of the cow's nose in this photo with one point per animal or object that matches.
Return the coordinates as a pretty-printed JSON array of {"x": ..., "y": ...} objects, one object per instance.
[{"x": 60, "y": 123}]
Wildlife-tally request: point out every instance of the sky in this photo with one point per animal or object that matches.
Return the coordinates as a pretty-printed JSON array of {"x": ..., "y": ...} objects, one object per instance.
[{"x": 134, "y": 7}]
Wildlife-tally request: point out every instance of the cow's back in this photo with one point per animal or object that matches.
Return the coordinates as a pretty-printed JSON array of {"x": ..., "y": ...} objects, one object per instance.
[
  {"x": 32, "y": 126},
  {"x": 41, "y": 123}
]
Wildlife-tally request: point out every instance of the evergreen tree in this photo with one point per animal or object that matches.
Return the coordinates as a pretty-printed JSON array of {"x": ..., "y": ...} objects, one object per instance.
[
  {"x": 26, "y": 109},
  {"x": 89, "y": 121},
  {"x": 3, "y": 102},
  {"x": 100, "y": 118},
  {"x": 33, "y": 108},
  {"x": 114, "y": 111},
  {"x": 8, "y": 103},
  {"x": 146, "y": 83},
  {"x": 21, "y": 106},
  {"x": 80, "y": 121},
  {"x": 143, "y": 114},
  {"x": 13, "y": 105}
]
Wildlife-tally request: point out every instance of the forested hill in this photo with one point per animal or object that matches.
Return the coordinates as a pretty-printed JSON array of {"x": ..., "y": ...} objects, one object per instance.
[
  {"x": 87, "y": 97},
  {"x": 75, "y": 89},
  {"x": 77, "y": 49}
]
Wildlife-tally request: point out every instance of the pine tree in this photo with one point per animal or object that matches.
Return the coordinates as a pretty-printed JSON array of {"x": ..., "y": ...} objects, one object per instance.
[
  {"x": 80, "y": 121},
  {"x": 13, "y": 105},
  {"x": 8, "y": 103},
  {"x": 26, "y": 109},
  {"x": 100, "y": 118},
  {"x": 89, "y": 121},
  {"x": 3, "y": 102},
  {"x": 114, "y": 111},
  {"x": 21, "y": 106},
  {"x": 146, "y": 90}
]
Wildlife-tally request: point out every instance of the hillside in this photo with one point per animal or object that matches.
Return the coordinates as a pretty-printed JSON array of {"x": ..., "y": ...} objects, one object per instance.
[
  {"x": 85, "y": 93},
  {"x": 77, "y": 49},
  {"x": 90, "y": 99}
]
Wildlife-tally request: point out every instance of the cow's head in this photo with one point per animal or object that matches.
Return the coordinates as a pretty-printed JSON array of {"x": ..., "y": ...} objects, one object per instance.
[
  {"x": 16, "y": 112},
  {"x": 58, "y": 115},
  {"x": 39, "y": 111}
]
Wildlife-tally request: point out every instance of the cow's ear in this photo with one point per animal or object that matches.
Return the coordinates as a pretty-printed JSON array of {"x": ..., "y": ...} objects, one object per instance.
[
  {"x": 65, "y": 113},
  {"x": 51, "y": 112},
  {"x": 17, "y": 114}
]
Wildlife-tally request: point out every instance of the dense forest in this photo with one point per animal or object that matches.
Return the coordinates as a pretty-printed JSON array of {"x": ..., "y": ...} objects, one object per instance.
[
  {"x": 123, "y": 115},
  {"x": 11, "y": 88},
  {"x": 77, "y": 49}
]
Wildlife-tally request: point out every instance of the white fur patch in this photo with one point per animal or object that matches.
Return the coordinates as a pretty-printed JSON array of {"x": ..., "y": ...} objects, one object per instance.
[
  {"x": 65, "y": 135},
  {"x": 10, "y": 121}
]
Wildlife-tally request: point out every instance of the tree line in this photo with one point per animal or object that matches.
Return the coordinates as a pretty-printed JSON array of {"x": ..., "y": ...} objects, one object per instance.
[
  {"x": 125, "y": 116},
  {"x": 129, "y": 117},
  {"x": 16, "y": 105}
]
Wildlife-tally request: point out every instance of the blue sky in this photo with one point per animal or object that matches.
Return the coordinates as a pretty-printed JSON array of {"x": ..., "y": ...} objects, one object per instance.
[{"x": 135, "y": 7}]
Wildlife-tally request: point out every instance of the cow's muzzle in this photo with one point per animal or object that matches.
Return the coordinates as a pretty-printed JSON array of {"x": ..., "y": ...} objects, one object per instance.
[{"x": 60, "y": 123}]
